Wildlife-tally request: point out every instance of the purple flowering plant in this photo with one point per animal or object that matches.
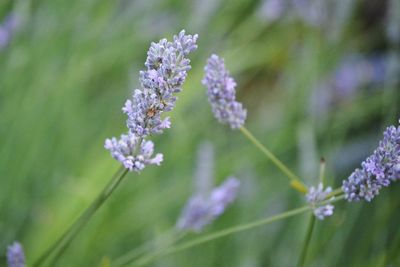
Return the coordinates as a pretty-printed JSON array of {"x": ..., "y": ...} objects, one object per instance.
[
  {"x": 166, "y": 69},
  {"x": 166, "y": 65},
  {"x": 379, "y": 170},
  {"x": 206, "y": 204},
  {"x": 15, "y": 255}
]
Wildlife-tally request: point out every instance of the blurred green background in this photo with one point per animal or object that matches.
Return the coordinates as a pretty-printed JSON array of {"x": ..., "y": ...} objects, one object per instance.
[{"x": 319, "y": 79}]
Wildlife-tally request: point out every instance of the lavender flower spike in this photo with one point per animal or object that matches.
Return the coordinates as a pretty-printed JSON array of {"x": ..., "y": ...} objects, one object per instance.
[
  {"x": 315, "y": 196},
  {"x": 223, "y": 195},
  {"x": 221, "y": 93},
  {"x": 167, "y": 66},
  {"x": 201, "y": 210},
  {"x": 15, "y": 255},
  {"x": 195, "y": 215},
  {"x": 377, "y": 171},
  {"x": 123, "y": 150}
]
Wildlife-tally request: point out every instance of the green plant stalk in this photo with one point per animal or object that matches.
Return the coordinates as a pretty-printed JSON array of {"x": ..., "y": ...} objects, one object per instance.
[
  {"x": 139, "y": 251},
  {"x": 303, "y": 254},
  {"x": 63, "y": 242},
  {"x": 322, "y": 171},
  {"x": 295, "y": 181},
  {"x": 198, "y": 241},
  {"x": 334, "y": 192},
  {"x": 232, "y": 230}
]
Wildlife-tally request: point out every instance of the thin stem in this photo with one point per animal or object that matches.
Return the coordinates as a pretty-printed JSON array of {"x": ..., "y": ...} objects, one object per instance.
[
  {"x": 63, "y": 242},
  {"x": 206, "y": 238},
  {"x": 303, "y": 255},
  {"x": 235, "y": 229},
  {"x": 322, "y": 171},
  {"x": 335, "y": 192},
  {"x": 136, "y": 252},
  {"x": 295, "y": 181}
]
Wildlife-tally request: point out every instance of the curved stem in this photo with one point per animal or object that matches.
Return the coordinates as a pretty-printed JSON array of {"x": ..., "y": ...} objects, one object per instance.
[
  {"x": 295, "y": 181},
  {"x": 63, "y": 242}
]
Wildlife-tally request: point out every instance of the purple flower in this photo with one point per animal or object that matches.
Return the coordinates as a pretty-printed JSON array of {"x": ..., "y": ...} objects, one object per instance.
[
  {"x": 167, "y": 66},
  {"x": 201, "y": 210},
  {"x": 123, "y": 150},
  {"x": 272, "y": 10},
  {"x": 315, "y": 196},
  {"x": 7, "y": 29},
  {"x": 196, "y": 214},
  {"x": 353, "y": 74},
  {"x": 377, "y": 171},
  {"x": 15, "y": 255},
  {"x": 223, "y": 195},
  {"x": 221, "y": 93}
]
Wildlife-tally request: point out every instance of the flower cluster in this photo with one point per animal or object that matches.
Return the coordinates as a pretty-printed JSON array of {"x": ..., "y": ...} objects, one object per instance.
[
  {"x": 15, "y": 255},
  {"x": 202, "y": 210},
  {"x": 377, "y": 171},
  {"x": 315, "y": 196},
  {"x": 167, "y": 65},
  {"x": 123, "y": 150},
  {"x": 221, "y": 93}
]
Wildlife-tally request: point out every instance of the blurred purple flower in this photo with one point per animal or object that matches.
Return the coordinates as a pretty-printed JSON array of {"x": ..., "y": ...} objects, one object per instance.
[
  {"x": 15, "y": 255},
  {"x": 7, "y": 29},
  {"x": 330, "y": 16},
  {"x": 272, "y": 10},
  {"x": 201, "y": 210},
  {"x": 221, "y": 93},
  {"x": 353, "y": 73},
  {"x": 195, "y": 215},
  {"x": 377, "y": 171},
  {"x": 223, "y": 195},
  {"x": 314, "y": 12},
  {"x": 315, "y": 196}
]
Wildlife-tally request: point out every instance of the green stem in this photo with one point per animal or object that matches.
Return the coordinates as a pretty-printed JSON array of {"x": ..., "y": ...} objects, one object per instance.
[
  {"x": 295, "y": 181},
  {"x": 307, "y": 240},
  {"x": 136, "y": 252},
  {"x": 235, "y": 229},
  {"x": 322, "y": 171},
  {"x": 335, "y": 192},
  {"x": 219, "y": 234},
  {"x": 63, "y": 242}
]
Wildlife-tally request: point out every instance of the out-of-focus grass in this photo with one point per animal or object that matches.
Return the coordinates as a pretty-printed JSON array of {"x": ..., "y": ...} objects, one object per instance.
[{"x": 70, "y": 67}]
